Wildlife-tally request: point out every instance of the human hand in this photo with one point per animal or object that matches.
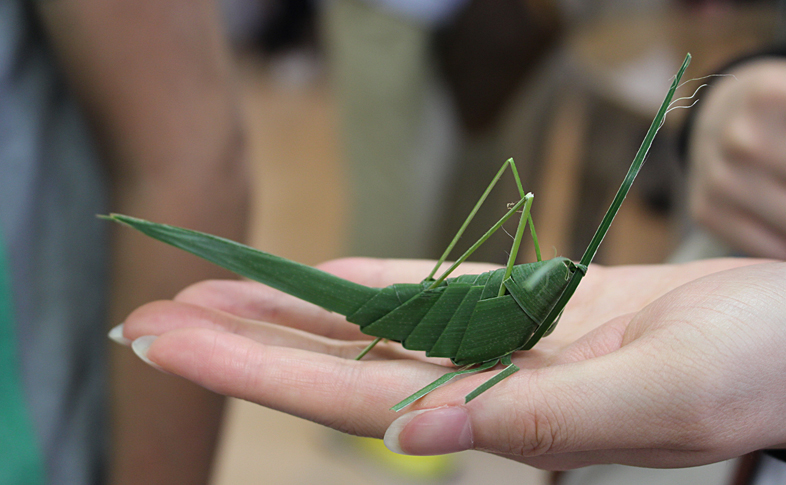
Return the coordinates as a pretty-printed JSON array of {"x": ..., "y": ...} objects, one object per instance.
[
  {"x": 634, "y": 373},
  {"x": 737, "y": 157}
]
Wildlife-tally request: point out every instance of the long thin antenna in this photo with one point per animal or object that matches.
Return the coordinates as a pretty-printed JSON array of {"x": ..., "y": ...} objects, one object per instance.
[{"x": 638, "y": 161}]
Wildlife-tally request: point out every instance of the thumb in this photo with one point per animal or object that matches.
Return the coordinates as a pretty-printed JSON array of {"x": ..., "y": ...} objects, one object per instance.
[{"x": 604, "y": 403}]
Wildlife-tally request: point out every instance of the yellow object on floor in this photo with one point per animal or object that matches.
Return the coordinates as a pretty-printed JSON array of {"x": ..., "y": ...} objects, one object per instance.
[{"x": 421, "y": 468}]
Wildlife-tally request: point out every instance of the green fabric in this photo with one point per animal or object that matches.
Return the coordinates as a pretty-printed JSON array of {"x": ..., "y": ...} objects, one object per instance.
[{"x": 20, "y": 461}]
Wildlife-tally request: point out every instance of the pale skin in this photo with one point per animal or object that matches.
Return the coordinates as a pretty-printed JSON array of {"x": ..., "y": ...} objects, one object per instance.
[
  {"x": 737, "y": 157},
  {"x": 659, "y": 366},
  {"x": 155, "y": 80}
]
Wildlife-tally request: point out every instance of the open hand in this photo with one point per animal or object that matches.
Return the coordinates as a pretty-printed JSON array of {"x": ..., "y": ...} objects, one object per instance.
[{"x": 661, "y": 366}]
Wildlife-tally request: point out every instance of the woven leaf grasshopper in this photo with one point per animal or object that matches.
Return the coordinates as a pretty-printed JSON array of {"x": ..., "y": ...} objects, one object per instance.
[{"x": 477, "y": 321}]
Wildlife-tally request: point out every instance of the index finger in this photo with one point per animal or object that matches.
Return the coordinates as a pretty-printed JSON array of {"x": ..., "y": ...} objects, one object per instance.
[{"x": 347, "y": 395}]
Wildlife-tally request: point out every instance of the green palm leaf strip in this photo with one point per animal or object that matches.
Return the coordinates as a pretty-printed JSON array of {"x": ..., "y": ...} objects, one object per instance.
[
  {"x": 304, "y": 282},
  {"x": 442, "y": 381},
  {"x": 594, "y": 244}
]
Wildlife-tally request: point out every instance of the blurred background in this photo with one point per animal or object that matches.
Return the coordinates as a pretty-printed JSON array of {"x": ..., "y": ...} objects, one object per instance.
[{"x": 375, "y": 125}]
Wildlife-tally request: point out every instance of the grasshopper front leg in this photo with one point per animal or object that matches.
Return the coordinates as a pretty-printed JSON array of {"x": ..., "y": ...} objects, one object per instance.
[
  {"x": 442, "y": 381},
  {"x": 510, "y": 369}
]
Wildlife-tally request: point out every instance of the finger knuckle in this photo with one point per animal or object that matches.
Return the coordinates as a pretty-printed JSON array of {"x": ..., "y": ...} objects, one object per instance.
[
  {"x": 355, "y": 418},
  {"x": 768, "y": 87},
  {"x": 720, "y": 179},
  {"x": 738, "y": 139},
  {"x": 538, "y": 427}
]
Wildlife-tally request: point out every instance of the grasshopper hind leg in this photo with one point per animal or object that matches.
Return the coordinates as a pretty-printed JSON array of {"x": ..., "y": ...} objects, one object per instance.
[{"x": 368, "y": 348}]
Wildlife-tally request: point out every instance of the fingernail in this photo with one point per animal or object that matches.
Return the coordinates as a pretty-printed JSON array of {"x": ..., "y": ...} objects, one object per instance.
[
  {"x": 116, "y": 334},
  {"x": 431, "y": 432},
  {"x": 141, "y": 346}
]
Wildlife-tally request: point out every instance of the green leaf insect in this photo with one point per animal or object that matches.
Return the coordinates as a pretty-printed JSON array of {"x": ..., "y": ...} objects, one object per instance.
[{"x": 477, "y": 321}]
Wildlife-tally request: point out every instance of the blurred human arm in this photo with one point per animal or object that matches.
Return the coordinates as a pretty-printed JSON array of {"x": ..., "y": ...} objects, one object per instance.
[
  {"x": 155, "y": 81},
  {"x": 737, "y": 158}
]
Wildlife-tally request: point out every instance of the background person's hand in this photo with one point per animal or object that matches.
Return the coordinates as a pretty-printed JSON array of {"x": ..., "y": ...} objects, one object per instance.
[
  {"x": 649, "y": 366},
  {"x": 737, "y": 159}
]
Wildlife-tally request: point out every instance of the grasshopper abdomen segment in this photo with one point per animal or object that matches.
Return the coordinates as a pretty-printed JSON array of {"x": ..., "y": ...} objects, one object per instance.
[
  {"x": 487, "y": 338},
  {"x": 428, "y": 331}
]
